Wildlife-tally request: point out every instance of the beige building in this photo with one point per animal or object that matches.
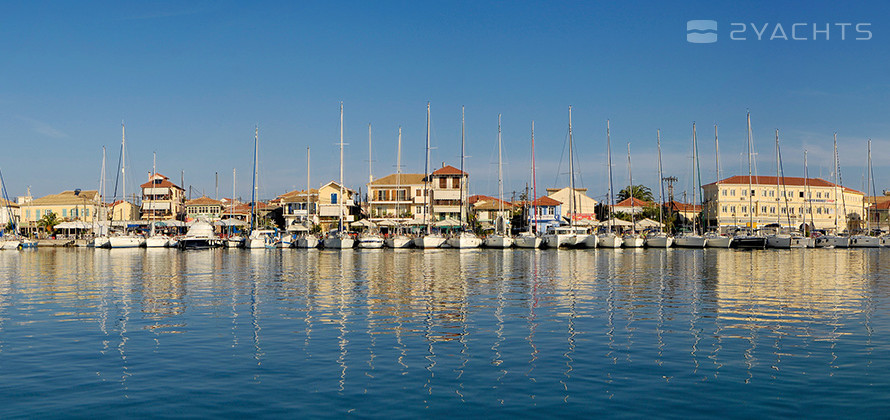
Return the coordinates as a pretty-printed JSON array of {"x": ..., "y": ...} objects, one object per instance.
[
  {"x": 730, "y": 202},
  {"x": 585, "y": 207},
  {"x": 398, "y": 197},
  {"x": 329, "y": 201},
  {"x": 124, "y": 211},
  {"x": 161, "y": 199},
  {"x": 203, "y": 208},
  {"x": 9, "y": 211},
  {"x": 298, "y": 207},
  {"x": 445, "y": 189},
  {"x": 487, "y": 210},
  {"x": 631, "y": 205},
  {"x": 67, "y": 205}
]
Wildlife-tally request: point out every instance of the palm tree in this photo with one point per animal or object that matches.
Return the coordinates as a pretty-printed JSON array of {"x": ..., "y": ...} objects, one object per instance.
[
  {"x": 640, "y": 192},
  {"x": 49, "y": 221}
]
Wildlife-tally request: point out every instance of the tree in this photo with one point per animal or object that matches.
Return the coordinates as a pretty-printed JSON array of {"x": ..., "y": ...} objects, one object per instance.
[
  {"x": 49, "y": 221},
  {"x": 640, "y": 192}
]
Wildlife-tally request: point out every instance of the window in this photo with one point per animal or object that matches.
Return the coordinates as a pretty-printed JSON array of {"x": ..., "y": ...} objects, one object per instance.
[
  {"x": 455, "y": 183},
  {"x": 28, "y": 213},
  {"x": 46, "y": 212},
  {"x": 744, "y": 209},
  {"x": 725, "y": 193},
  {"x": 732, "y": 193},
  {"x": 333, "y": 198},
  {"x": 801, "y": 194},
  {"x": 827, "y": 196},
  {"x": 417, "y": 193},
  {"x": 744, "y": 193},
  {"x": 443, "y": 183},
  {"x": 724, "y": 209},
  {"x": 419, "y": 210},
  {"x": 819, "y": 194},
  {"x": 818, "y": 210}
]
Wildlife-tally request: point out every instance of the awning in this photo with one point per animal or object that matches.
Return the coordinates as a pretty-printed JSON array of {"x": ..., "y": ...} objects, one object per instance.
[
  {"x": 646, "y": 223},
  {"x": 616, "y": 222},
  {"x": 447, "y": 222},
  {"x": 77, "y": 224},
  {"x": 365, "y": 223}
]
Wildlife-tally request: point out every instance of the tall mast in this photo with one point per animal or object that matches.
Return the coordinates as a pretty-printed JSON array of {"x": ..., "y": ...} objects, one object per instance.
[
  {"x": 778, "y": 193},
  {"x": 124, "y": 160},
  {"x": 340, "y": 201},
  {"x": 232, "y": 202},
  {"x": 836, "y": 222},
  {"x": 806, "y": 187},
  {"x": 630, "y": 178},
  {"x": 308, "y": 186},
  {"x": 398, "y": 171},
  {"x": 102, "y": 183},
  {"x": 463, "y": 139},
  {"x": 253, "y": 192},
  {"x": 868, "y": 187},
  {"x": 571, "y": 174},
  {"x": 534, "y": 181},
  {"x": 426, "y": 171},
  {"x": 370, "y": 158},
  {"x": 717, "y": 163},
  {"x": 750, "y": 190},
  {"x": 694, "y": 166},
  {"x": 609, "y": 154},
  {"x": 501, "y": 176},
  {"x": 661, "y": 184},
  {"x": 154, "y": 170}
]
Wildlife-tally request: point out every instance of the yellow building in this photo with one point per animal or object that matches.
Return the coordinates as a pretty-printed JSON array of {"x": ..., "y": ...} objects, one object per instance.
[
  {"x": 203, "y": 208},
  {"x": 585, "y": 207},
  {"x": 161, "y": 199},
  {"x": 122, "y": 210},
  {"x": 67, "y": 205},
  {"x": 398, "y": 197},
  {"x": 730, "y": 202}
]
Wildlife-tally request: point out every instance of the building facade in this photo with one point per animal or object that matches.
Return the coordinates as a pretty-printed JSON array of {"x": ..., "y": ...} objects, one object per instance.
[
  {"x": 585, "y": 207},
  {"x": 203, "y": 208},
  {"x": 788, "y": 201},
  {"x": 397, "y": 197},
  {"x": 299, "y": 208},
  {"x": 161, "y": 199},
  {"x": 67, "y": 206}
]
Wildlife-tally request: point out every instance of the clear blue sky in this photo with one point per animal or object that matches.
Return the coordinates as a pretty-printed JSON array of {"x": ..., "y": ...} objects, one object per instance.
[{"x": 191, "y": 79}]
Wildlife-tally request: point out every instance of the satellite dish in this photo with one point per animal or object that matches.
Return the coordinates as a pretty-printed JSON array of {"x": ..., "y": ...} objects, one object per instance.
[{"x": 77, "y": 192}]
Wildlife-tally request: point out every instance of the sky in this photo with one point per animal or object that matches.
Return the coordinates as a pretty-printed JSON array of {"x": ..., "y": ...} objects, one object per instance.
[{"x": 191, "y": 81}]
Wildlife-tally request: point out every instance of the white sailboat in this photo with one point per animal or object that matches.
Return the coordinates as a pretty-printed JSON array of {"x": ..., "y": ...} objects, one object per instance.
[
  {"x": 8, "y": 240},
  {"x": 339, "y": 238},
  {"x": 692, "y": 239},
  {"x": 256, "y": 239},
  {"x": 529, "y": 238},
  {"x": 125, "y": 240},
  {"x": 749, "y": 238},
  {"x": 610, "y": 239},
  {"x": 632, "y": 239},
  {"x": 307, "y": 239},
  {"x": 370, "y": 238},
  {"x": 399, "y": 239},
  {"x": 566, "y": 235},
  {"x": 233, "y": 241},
  {"x": 866, "y": 240},
  {"x": 810, "y": 225},
  {"x": 836, "y": 239},
  {"x": 428, "y": 239},
  {"x": 155, "y": 240},
  {"x": 501, "y": 237},
  {"x": 100, "y": 219},
  {"x": 464, "y": 238},
  {"x": 781, "y": 238},
  {"x": 660, "y": 239},
  {"x": 715, "y": 239}
]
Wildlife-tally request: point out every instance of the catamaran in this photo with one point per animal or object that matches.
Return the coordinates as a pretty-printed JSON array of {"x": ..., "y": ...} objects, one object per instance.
[
  {"x": 660, "y": 239},
  {"x": 339, "y": 238},
  {"x": 501, "y": 237},
  {"x": 529, "y": 238},
  {"x": 257, "y": 238},
  {"x": 428, "y": 239},
  {"x": 465, "y": 238}
]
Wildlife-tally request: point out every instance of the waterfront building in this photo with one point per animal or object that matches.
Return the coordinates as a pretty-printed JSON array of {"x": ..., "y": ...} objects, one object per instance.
[
  {"x": 161, "y": 199},
  {"x": 123, "y": 210},
  {"x": 487, "y": 210},
  {"x": 728, "y": 202},
  {"x": 585, "y": 207},
  {"x": 9, "y": 211},
  {"x": 686, "y": 211},
  {"x": 631, "y": 205},
  {"x": 298, "y": 207},
  {"x": 445, "y": 189},
  {"x": 396, "y": 197},
  {"x": 548, "y": 215},
  {"x": 203, "y": 208},
  {"x": 328, "y": 203},
  {"x": 67, "y": 206}
]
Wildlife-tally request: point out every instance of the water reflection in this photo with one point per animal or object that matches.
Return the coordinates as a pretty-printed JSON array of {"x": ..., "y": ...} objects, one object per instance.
[{"x": 503, "y": 328}]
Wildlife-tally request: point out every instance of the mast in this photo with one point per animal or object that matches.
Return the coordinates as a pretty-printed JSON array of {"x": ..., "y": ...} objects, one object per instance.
[
  {"x": 661, "y": 184},
  {"x": 154, "y": 170},
  {"x": 609, "y": 154},
  {"x": 232, "y": 203},
  {"x": 308, "y": 186},
  {"x": 370, "y": 159},
  {"x": 750, "y": 190},
  {"x": 501, "y": 181},
  {"x": 630, "y": 179},
  {"x": 778, "y": 194},
  {"x": 534, "y": 181},
  {"x": 806, "y": 187},
  {"x": 426, "y": 171},
  {"x": 868, "y": 187},
  {"x": 836, "y": 225},
  {"x": 102, "y": 186},
  {"x": 717, "y": 184},
  {"x": 399, "y": 171},
  {"x": 253, "y": 192},
  {"x": 694, "y": 161},
  {"x": 124, "y": 160},
  {"x": 340, "y": 201},
  {"x": 462, "y": 155}
]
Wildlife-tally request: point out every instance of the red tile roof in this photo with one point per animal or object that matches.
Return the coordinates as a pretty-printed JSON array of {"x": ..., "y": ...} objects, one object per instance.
[
  {"x": 448, "y": 170},
  {"x": 474, "y": 198},
  {"x": 636, "y": 203},
  {"x": 773, "y": 180},
  {"x": 203, "y": 201},
  {"x": 546, "y": 201},
  {"x": 686, "y": 207},
  {"x": 165, "y": 183}
]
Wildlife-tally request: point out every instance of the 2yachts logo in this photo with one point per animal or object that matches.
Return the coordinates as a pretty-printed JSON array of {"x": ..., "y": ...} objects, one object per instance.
[{"x": 705, "y": 31}]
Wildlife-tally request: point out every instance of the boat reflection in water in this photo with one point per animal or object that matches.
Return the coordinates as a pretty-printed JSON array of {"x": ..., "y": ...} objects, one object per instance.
[{"x": 383, "y": 332}]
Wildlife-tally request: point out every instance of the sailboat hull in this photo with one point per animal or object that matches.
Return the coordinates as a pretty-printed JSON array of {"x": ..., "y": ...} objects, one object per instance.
[
  {"x": 126, "y": 242},
  {"x": 527, "y": 241},
  {"x": 370, "y": 242},
  {"x": 749, "y": 242},
  {"x": 157, "y": 242},
  {"x": 659, "y": 241},
  {"x": 10, "y": 244},
  {"x": 399, "y": 241},
  {"x": 719, "y": 241},
  {"x": 307, "y": 242},
  {"x": 690, "y": 241},
  {"x": 339, "y": 243},
  {"x": 498, "y": 241},
  {"x": 429, "y": 241},
  {"x": 611, "y": 241},
  {"x": 863, "y": 241},
  {"x": 633, "y": 241}
]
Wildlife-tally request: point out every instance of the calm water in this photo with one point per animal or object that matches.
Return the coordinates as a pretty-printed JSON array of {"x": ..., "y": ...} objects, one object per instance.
[{"x": 669, "y": 333}]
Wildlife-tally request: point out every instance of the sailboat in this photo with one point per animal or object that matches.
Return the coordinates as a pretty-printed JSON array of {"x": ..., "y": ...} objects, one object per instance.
[
  {"x": 370, "y": 238},
  {"x": 125, "y": 240},
  {"x": 258, "y": 238},
  {"x": 632, "y": 239},
  {"x": 100, "y": 214},
  {"x": 501, "y": 237},
  {"x": 866, "y": 240},
  {"x": 8, "y": 241},
  {"x": 399, "y": 239},
  {"x": 529, "y": 238},
  {"x": 339, "y": 238},
  {"x": 307, "y": 239},
  {"x": 715, "y": 239},
  {"x": 428, "y": 239},
  {"x": 233, "y": 241},
  {"x": 465, "y": 238},
  {"x": 566, "y": 235},
  {"x": 610, "y": 239},
  {"x": 749, "y": 239},
  {"x": 659, "y": 239},
  {"x": 154, "y": 240},
  {"x": 836, "y": 239},
  {"x": 692, "y": 239},
  {"x": 809, "y": 225},
  {"x": 781, "y": 239}
]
